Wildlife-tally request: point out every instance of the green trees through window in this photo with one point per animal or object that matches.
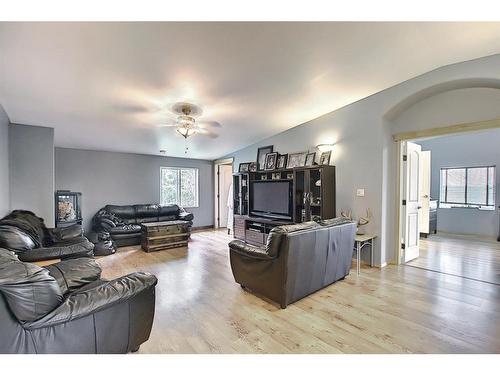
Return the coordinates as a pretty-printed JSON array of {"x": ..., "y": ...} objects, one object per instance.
[{"x": 179, "y": 186}]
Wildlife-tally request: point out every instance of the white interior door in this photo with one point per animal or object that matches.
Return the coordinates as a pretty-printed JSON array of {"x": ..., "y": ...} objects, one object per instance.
[
  {"x": 225, "y": 179},
  {"x": 412, "y": 175},
  {"x": 425, "y": 191}
]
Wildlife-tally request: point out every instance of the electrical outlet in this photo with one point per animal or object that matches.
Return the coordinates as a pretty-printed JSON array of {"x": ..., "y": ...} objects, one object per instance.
[{"x": 360, "y": 192}]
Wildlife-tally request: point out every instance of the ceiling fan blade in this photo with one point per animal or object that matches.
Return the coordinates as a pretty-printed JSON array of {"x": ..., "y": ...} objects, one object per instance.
[
  {"x": 211, "y": 124},
  {"x": 206, "y": 132},
  {"x": 168, "y": 125},
  {"x": 131, "y": 108},
  {"x": 210, "y": 135}
]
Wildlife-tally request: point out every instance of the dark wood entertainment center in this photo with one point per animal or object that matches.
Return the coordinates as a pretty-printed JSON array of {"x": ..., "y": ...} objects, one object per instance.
[{"x": 313, "y": 198}]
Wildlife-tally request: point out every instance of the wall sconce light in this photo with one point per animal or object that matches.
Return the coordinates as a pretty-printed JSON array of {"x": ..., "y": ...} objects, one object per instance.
[{"x": 323, "y": 147}]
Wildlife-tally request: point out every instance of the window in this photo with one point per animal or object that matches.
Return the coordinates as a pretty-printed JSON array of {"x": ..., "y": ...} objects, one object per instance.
[
  {"x": 179, "y": 186},
  {"x": 468, "y": 187}
]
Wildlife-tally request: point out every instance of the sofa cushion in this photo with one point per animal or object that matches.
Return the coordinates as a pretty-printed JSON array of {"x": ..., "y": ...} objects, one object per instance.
[
  {"x": 122, "y": 212},
  {"x": 66, "y": 233},
  {"x": 13, "y": 238},
  {"x": 30, "y": 291},
  {"x": 126, "y": 229},
  {"x": 146, "y": 211},
  {"x": 29, "y": 224},
  {"x": 104, "y": 248},
  {"x": 72, "y": 274},
  {"x": 140, "y": 220},
  {"x": 172, "y": 210},
  {"x": 66, "y": 251}
]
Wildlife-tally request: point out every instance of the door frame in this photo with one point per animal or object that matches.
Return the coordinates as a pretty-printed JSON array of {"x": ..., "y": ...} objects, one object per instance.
[
  {"x": 217, "y": 164},
  {"x": 400, "y": 138}
]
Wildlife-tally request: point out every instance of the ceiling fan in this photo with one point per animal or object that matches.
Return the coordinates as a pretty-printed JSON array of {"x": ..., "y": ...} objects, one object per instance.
[{"x": 187, "y": 124}]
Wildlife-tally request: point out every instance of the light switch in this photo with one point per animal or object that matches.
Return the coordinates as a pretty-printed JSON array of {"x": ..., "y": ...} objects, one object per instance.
[{"x": 360, "y": 192}]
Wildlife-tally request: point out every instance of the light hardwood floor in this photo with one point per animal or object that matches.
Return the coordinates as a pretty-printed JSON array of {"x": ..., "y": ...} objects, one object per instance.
[
  {"x": 465, "y": 256},
  {"x": 399, "y": 309}
]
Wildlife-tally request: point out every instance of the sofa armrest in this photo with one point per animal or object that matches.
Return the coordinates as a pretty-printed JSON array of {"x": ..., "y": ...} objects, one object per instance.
[
  {"x": 72, "y": 274},
  {"x": 57, "y": 252},
  {"x": 106, "y": 223},
  {"x": 103, "y": 220},
  {"x": 250, "y": 251},
  {"x": 66, "y": 233},
  {"x": 93, "y": 300},
  {"x": 184, "y": 215}
]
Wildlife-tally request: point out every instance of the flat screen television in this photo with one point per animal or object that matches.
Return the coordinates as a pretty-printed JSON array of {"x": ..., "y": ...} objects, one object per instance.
[{"x": 272, "y": 199}]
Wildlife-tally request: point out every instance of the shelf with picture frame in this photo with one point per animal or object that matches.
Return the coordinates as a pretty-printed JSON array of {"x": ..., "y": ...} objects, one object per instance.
[
  {"x": 314, "y": 195},
  {"x": 267, "y": 159}
]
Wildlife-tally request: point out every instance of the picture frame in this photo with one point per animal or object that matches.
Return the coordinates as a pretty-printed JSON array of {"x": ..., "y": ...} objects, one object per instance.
[
  {"x": 325, "y": 158},
  {"x": 282, "y": 161},
  {"x": 297, "y": 159},
  {"x": 310, "y": 158},
  {"x": 261, "y": 156},
  {"x": 271, "y": 159},
  {"x": 252, "y": 167},
  {"x": 243, "y": 167}
]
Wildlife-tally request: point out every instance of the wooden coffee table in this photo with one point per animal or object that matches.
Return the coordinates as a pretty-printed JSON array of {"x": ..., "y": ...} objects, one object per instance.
[{"x": 164, "y": 235}]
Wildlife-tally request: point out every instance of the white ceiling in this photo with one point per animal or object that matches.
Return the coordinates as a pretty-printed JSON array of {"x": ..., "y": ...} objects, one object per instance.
[{"x": 106, "y": 86}]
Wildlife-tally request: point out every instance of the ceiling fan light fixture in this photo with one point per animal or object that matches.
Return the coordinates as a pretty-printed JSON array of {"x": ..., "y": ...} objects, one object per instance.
[
  {"x": 185, "y": 123},
  {"x": 185, "y": 120},
  {"x": 186, "y": 131}
]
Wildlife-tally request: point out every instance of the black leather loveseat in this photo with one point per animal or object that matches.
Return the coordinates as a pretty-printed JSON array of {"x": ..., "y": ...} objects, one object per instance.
[
  {"x": 123, "y": 222},
  {"x": 26, "y": 234},
  {"x": 68, "y": 308},
  {"x": 298, "y": 259}
]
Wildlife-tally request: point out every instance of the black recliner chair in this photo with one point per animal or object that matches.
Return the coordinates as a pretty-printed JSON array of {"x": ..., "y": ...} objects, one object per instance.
[
  {"x": 123, "y": 222},
  {"x": 26, "y": 234},
  {"x": 68, "y": 308}
]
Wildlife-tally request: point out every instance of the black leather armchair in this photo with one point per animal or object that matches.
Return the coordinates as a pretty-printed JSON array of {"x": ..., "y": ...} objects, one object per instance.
[
  {"x": 297, "y": 260},
  {"x": 123, "y": 223},
  {"x": 68, "y": 308},
  {"x": 26, "y": 234}
]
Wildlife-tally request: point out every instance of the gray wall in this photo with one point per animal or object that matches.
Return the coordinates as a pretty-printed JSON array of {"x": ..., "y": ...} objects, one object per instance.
[
  {"x": 4, "y": 164},
  {"x": 476, "y": 149},
  {"x": 356, "y": 155},
  {"x": 366, "y": 154},
  {"x": 123, "y": 178},
  {"x": 31, "y": 150}
]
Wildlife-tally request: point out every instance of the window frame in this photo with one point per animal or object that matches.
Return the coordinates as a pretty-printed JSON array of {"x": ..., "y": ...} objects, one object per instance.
[
  {"x": 179, "y": 185},
  {"x": 489, "y": 206}
]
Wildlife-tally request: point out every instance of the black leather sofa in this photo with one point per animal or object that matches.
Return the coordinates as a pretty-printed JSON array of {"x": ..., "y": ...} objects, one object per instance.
[
  {"x": 68, "y": 308},
  {"x": 298, "y": 259},
  {"x": 26, "y": 234},
  {"x": 123, "y": 222}
]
